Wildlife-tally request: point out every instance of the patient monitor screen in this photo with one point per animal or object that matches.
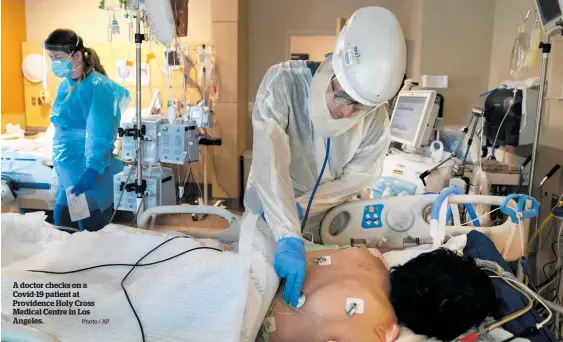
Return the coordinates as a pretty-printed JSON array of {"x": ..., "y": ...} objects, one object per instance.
[
  {"x": 549, "y": 9},
  {"x": 406, "y": 116}
]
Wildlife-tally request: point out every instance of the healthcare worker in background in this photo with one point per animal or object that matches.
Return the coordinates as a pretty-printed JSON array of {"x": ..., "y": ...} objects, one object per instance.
[
  {"x": 86, "y": 114},
  {"x": 304, "y": 112}
]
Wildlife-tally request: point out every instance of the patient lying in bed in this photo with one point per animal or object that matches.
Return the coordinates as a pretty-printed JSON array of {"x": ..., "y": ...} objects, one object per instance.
[{"x": 437, "y": 294}]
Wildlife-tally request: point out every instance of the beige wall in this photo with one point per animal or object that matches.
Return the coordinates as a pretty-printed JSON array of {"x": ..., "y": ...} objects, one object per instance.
[
  {"x": 456, "y": 41},
  {"x": 439, "y": 40},
  {"x": 314, "y": 45},
  {"x": 84, "y": 17},
  {"x": 507, "y": 19},
  {"x": 272, "y": 22},
  {"x": 229, "y": 35},
  {"x": 552, "y": 125},
  {"x": 412, "y": 11}
]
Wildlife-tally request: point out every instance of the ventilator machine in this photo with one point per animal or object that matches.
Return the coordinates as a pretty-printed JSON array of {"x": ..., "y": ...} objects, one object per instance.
[
  {"x": 414, "y": 117},
  {"x": 416, "y": 124}
]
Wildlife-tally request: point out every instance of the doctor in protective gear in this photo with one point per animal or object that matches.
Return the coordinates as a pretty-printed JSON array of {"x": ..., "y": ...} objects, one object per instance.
[
  {"x": 321, "y": 131},
  {"x": 86, "y": 114}
]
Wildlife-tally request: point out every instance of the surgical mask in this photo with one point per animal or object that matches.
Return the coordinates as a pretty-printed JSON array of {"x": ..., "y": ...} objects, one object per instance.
[{"x": 62, "y": 69}]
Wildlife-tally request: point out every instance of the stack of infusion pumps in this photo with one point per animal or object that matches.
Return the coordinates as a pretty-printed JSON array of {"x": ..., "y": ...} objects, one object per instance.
[
  {"x": 160, "y": 188},
  {"x": 163, "y": 142}
]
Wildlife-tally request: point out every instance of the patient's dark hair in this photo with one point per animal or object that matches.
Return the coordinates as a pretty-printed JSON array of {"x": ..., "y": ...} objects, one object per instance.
[{"x": 441, "y": 294}]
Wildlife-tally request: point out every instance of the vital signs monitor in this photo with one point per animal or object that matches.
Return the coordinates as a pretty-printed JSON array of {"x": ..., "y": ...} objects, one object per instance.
[
  {"x": 413, "y": 118},
  {"x": 551, "y": 13}
]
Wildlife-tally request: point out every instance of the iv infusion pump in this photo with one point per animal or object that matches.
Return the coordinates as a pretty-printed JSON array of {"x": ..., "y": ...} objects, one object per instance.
[{"x": 163, "y": 142}]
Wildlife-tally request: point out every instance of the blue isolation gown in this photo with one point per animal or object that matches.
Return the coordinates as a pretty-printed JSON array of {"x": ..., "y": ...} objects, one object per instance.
[{"x": 86, "y": 116}]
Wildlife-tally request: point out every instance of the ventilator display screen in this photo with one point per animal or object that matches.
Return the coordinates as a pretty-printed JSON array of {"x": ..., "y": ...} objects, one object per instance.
[
  {"x": 406, "y": 116},
  {"x": 549, "y": 9}
]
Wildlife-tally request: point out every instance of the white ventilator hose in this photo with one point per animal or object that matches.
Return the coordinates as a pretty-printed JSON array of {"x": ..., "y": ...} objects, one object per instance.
[
  {"x": 438, "y": 228},
  {"x": 509, "y": 241},
  {"x": 442, "y": 221},
  {"x": 511, "y": 234},
  {"x": 455, "y": 215}
]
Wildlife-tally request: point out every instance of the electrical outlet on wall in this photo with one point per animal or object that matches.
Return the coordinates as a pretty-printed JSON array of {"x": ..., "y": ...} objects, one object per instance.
[{"x": 434, "y": 81}]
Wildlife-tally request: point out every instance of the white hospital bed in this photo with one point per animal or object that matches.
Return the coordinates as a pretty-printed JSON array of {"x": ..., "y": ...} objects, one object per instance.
[
  {"x": 27, "y": 172},
  {"x": 206, "y": 283},
  {"x": 404, "y": 220},
  {"x": 200, "y": 296}
]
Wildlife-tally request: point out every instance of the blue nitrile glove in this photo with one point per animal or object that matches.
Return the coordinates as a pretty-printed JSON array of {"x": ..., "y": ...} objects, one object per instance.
[
  {"x": 299, "y": 212},
  {"x": 85, "y": 182},
  {"x": 290, "y": 263}
]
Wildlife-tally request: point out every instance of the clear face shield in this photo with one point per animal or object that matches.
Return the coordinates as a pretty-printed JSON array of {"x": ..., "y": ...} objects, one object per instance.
[
  {"x": 340, "y": 96},
  {"x": 324, "y": 81},
  {"x": 62, "y": 59}
]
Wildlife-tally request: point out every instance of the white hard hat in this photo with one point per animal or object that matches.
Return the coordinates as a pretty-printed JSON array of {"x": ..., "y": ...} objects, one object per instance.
[{"x": 369, "y": 58}]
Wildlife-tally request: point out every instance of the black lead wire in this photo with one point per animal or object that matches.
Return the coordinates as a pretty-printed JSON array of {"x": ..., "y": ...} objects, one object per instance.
[{"x": 133, "y": 266}]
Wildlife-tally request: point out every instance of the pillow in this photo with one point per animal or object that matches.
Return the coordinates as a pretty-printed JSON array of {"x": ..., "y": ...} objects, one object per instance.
[{"x": 400, "y": 257}]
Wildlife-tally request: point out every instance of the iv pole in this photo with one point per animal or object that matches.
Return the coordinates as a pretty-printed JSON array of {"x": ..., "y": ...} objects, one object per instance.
[
  {"x": 139, "y": 132},
  {"x": 546, "y": 49}
]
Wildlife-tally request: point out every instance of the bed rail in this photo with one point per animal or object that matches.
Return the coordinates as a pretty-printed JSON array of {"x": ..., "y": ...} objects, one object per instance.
[{"x": 231, "y": 234}]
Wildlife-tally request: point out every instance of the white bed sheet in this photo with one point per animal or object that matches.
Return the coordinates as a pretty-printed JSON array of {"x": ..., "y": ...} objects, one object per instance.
[
  {"x": 201, "y": 296},
  {"x": 40, "y": 147}
]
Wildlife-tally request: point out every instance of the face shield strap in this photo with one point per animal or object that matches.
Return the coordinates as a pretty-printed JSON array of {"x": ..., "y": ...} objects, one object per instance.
[
  {"x": 70, "y": 49},
  {"x": 56, "y": 53}
]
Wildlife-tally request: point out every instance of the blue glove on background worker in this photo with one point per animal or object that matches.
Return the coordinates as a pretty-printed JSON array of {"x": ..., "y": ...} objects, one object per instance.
[
  {"x": 85, "y": 183},
  {"x": 290, "y": 264}
]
